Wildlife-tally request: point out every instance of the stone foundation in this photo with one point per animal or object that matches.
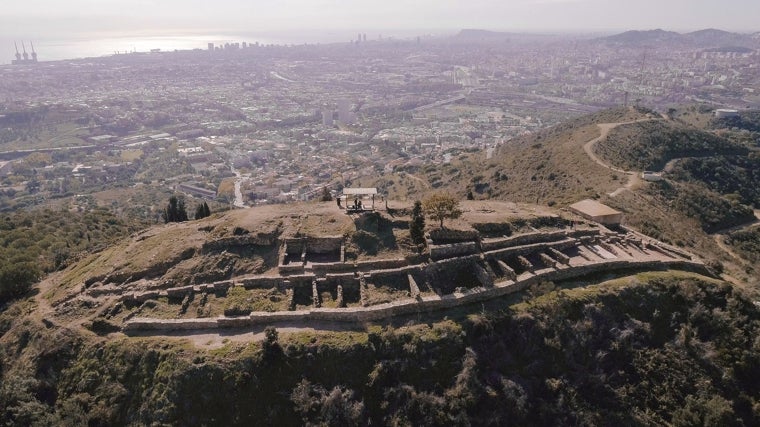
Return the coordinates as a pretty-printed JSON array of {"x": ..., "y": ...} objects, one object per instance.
[{"x": 409, "y": 306}]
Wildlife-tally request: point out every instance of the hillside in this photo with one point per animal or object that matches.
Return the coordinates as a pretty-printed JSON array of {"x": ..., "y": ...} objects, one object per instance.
[
  {"x": 518, "y": 311},
  {"x": 651, "y": 145},
  {"x": 548, "y": 167},
  {"x": 39, "y": 242},
  {"x": 650, "y": 349},
  {"x": 602, "y": 156}
]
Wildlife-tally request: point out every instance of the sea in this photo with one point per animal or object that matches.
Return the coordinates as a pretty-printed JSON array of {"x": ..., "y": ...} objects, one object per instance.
[{"x": 50, "y": 49}]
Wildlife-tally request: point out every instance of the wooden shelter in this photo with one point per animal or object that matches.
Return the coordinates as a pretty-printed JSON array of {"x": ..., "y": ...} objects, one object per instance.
[{"x": 354, "y": 199}]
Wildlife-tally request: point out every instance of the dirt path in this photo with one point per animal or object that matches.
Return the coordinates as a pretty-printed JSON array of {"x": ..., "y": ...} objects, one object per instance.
[
  {"x": 720, "y": 237},
  {"x": 210, "y": 339},
  {"x": 633, "y": 176}
]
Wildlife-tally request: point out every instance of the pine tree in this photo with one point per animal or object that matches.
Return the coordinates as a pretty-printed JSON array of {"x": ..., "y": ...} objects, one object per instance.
[{"x": 417, "y": 226}]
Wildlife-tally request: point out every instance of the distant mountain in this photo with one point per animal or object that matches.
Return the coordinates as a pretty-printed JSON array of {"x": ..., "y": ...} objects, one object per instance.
[
  {"x": 650, "y": 36},
  {"x": 713, "y": 38},
  {"x": 707, "y": 38},
  {"x": 475, "y": 34}
]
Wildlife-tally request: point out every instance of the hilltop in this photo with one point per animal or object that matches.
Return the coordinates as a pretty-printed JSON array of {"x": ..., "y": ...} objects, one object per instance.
[
  {"x": 603, "y": 155},
  {"x": 272, "y": 259},
  {"x": 518, "y": 311}
]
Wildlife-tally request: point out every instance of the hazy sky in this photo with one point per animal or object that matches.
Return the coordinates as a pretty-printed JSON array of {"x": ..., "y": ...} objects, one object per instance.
[{"x": 40, "y": 19}]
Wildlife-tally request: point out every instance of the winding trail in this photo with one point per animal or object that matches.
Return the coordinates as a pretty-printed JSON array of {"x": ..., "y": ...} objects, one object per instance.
[
  {"x": 634, "y": 180},
  {"x": 633, "y": 176},
  {"x": 720, "y": 237}
]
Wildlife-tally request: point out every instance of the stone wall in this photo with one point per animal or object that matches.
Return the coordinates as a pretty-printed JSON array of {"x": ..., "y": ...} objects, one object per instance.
[
  {"x": 342, "y": 278},
  {"x": 452, "y": 250},
  {"x": 332, "y": 267},
  {"x": 412, "y": 269},
  {"x": 262, "y": 282},
  {"x": 532, "y": 238},
  {"x": 379, "y": 264},
  {"x": 528, "y": 249},
  {"x": 407, "y": 306},
  {"x": 224, "y": 243},
  {"x": 316, "y": 245},
  {"x": 453, "y": 236},
  {"x": 290, "y": 268}
]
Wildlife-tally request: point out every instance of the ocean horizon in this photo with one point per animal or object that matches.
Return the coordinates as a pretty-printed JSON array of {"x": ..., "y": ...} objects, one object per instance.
[{"x": 49, "y": 49}]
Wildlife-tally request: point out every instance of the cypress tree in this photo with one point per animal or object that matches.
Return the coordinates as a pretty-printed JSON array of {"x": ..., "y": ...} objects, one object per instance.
[
  {"x": 175, "y": 210},
  {"x": 202, "y": 211},
  {"x": 417, "y": 226}
]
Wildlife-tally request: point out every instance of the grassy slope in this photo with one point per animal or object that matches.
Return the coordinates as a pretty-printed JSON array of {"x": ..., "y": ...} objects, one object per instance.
[
  {"x": 548, "y": 167},
  {"x": 654, "y": 349}
]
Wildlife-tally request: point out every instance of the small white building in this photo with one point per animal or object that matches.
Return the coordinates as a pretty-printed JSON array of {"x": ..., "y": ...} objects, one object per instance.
[
  {"x": 723, "y": 113},
  {"x": 651, "y": 176}
]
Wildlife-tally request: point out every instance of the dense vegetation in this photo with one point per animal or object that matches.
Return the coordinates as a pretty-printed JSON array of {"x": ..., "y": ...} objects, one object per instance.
[
  {"x": 712, "y": 210},
  {"x": 748, "y": 120},
  {"x": 746, "y": 243},
  {"x": 675, "y": 350},
  {"x": 37, "y": 242},
  {"x": 650, "y": 145},
  {"x": 738, "y": 176}
]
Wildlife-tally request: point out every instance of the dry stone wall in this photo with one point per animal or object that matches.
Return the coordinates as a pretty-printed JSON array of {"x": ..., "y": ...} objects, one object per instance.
[
  {"x": 408, "y": 306},
  {"x": 452, "y": 250}
]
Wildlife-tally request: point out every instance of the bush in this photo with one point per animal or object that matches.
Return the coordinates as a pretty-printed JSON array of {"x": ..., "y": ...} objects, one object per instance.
[{"x": 16, "y": 279}]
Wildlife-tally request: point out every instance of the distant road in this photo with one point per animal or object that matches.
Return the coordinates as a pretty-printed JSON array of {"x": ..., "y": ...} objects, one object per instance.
[
  {"x": 441, "y": 103},
  {"x": 238, "y": 203},
  {"x": 278, "y": 76}
]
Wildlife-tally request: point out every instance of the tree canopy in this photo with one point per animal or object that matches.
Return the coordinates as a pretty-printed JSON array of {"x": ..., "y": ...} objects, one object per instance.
[
  {"x": 440, "y": 206},
  {"x": 175, "y": 211}
]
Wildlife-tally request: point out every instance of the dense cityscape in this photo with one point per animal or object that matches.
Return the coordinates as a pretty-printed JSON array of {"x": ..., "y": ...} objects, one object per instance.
[
  {"x": 246, "y": 124},
  {"x": 459, "y": 213}
]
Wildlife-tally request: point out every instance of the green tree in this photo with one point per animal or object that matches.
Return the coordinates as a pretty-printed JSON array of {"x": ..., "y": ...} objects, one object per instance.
[
  {"x": 271, "y": 344},
  {"x": 417, "y": 226},
  {"x": 326, "y": 196},
  {"x": 202, "y": 211},
  {"x": 175, "y": 211},
  {"x": 440, "y": 206},
  {"x": 16, "y": 278}
]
